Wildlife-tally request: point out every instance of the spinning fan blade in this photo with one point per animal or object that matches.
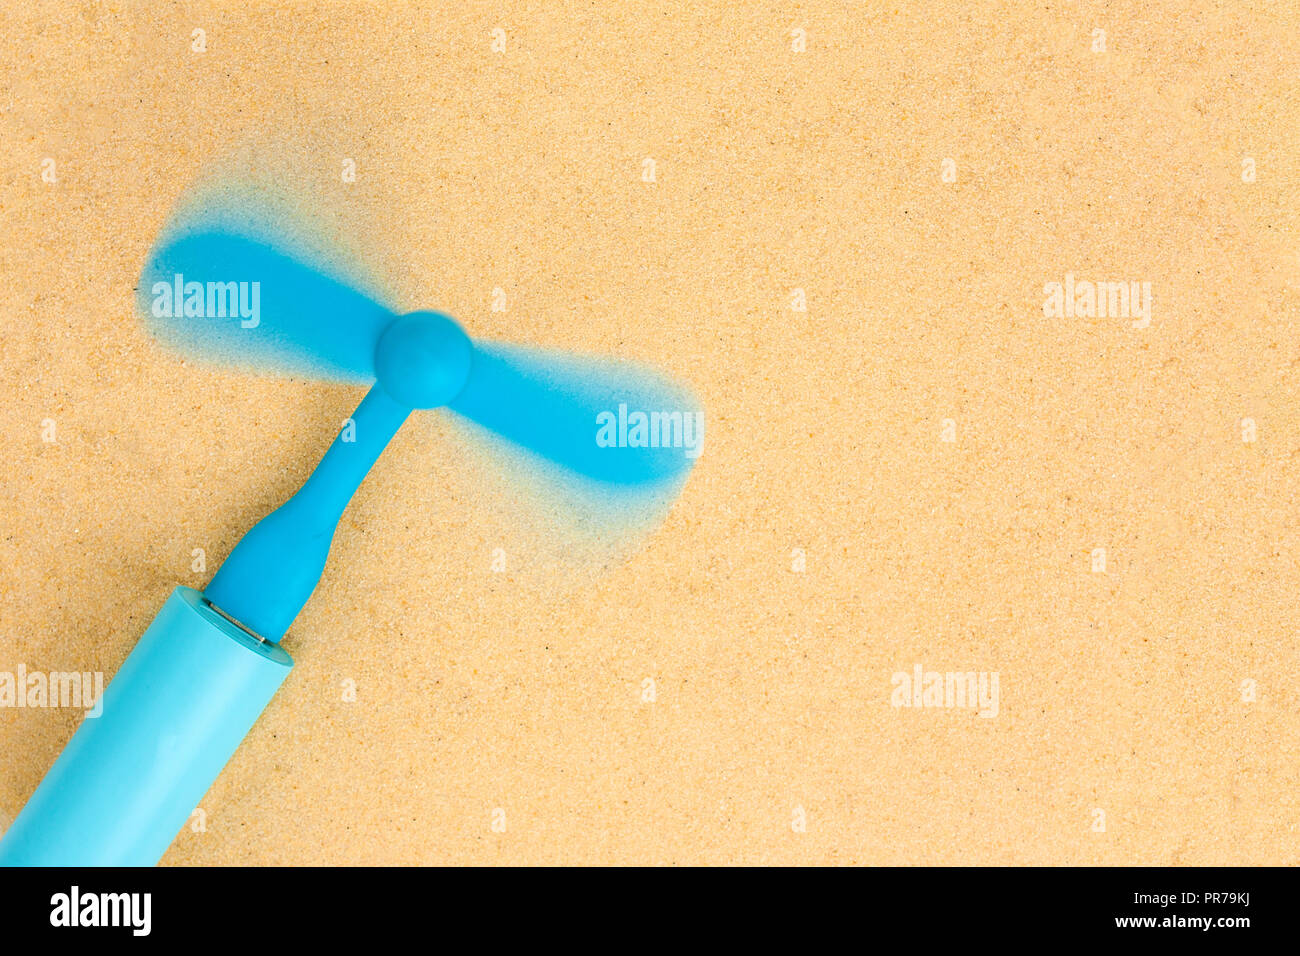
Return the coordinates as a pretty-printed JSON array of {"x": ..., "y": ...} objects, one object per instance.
[
  {"x": 228, "y": 298},
  {"x": 220, "y": 295},
  {"x": 612, "y": 422}
]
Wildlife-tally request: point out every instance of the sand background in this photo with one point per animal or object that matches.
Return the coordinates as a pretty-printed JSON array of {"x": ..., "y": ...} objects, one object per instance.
[{"x": 775, "y": 170}]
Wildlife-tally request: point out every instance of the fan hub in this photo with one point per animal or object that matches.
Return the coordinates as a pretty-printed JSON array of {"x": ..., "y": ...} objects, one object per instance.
[{"x": 423, "y": 359}]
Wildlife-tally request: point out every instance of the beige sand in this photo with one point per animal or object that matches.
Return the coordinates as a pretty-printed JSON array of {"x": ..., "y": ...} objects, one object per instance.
[{"x": 520, "y": 697}]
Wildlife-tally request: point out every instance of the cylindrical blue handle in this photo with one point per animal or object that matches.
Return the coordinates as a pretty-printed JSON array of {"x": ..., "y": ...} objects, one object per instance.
[{"x": 172, "y": 716}]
